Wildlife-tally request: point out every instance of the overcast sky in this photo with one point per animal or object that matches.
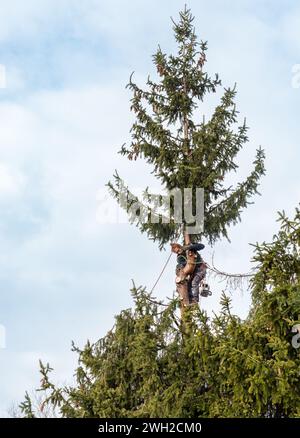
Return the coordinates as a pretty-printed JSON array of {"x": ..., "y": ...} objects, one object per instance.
[{"x": 64, "y": 114}]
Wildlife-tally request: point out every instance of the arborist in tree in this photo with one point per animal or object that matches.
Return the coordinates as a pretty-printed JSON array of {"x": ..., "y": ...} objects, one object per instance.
[{"x": 191, "y": 270}]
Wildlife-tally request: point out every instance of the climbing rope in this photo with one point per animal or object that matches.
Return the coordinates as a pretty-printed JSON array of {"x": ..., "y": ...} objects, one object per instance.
[
  {"x": 211, "y": 268},
  {"x": 161, "y": 273}
]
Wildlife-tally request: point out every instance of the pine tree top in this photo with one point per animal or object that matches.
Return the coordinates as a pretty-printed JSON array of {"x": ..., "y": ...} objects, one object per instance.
[{"x": 183, "y": 149}]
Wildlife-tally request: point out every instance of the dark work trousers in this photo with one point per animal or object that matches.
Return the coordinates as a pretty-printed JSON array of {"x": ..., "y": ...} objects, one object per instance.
[{"x": 193, "y": 284}]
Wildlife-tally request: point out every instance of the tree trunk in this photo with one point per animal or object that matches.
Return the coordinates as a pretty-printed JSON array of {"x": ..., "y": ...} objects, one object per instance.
[{"x": 182, "y": 288}]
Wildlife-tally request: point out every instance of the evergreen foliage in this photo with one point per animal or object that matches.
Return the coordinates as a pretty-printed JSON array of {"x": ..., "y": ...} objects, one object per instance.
[
  {"x": 152, "y": 365},
  {"x": 184, "y": 149}
]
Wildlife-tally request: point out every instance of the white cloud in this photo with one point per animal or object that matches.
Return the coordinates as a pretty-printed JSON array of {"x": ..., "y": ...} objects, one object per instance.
[
  {"x": 27, "y": 19},
  {"x": 290, "y": 30},
  {"x": 59, "y": 147},
  {"x": 11, "y": 181}
]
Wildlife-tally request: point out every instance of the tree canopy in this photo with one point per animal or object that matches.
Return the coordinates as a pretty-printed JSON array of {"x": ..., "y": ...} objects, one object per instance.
[
  {"x": 151, "y": 365},
  {"x": 184, "y": 148}
]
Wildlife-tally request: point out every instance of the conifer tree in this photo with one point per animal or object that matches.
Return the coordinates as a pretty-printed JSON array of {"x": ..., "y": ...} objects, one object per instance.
[
  {"x": 226, "y": 367},
  {"x": 184, "y": 149}
]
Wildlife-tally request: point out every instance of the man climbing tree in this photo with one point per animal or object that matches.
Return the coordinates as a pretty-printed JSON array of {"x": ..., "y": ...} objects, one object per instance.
[
  {"x": 145, "y": 366},
  {"x": 186, "y": 150},
  {"x": 190, "y": 271},
  {"x": 227, "y": 367}
]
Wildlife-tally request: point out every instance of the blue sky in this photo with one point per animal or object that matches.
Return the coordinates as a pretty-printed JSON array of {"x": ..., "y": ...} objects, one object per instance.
[{"x": 64, "y": 116}]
